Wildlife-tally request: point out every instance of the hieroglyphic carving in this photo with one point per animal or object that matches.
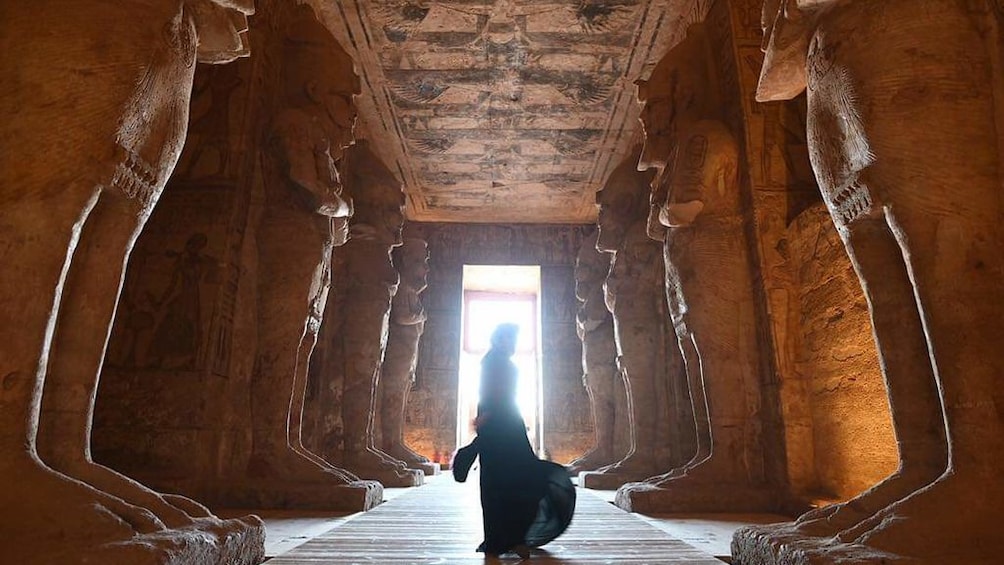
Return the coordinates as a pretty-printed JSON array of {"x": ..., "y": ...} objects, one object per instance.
[
  {"x": 567, "y": 427},
  {"x": 482, "y": 104}
]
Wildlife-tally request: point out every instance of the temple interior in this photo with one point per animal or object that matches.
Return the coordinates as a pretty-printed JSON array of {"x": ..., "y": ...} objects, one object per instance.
[{"x": 757, "y": 247}]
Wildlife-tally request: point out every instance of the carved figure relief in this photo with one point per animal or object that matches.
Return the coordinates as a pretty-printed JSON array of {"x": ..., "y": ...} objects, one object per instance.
[
  {"x": 76, "y": 189},
  {"x": 209, "y": 130},
  {"x": 177, "y": 334},
  {"x": 914, "y": 227}
]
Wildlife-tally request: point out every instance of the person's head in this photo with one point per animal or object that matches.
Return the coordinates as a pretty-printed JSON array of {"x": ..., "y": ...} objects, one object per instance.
[{"x": 504, "y": 338}]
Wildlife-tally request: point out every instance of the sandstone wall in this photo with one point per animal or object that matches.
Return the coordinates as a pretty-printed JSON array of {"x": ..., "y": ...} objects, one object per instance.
[{"x": 854, "y": 447}]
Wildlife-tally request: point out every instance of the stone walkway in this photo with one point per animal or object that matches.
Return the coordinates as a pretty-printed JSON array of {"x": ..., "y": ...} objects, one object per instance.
[{"x": 440, "y": 523}]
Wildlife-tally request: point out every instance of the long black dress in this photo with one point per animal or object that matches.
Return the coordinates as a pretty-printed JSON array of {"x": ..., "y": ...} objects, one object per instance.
[{"x": 524, "y": 500}]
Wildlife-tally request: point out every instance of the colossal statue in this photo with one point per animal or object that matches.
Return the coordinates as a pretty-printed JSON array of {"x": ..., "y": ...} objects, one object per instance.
[
  {"x": 903, "y": 102},
  {"x": 407, "y": 321},
  {"x": 95, "y": 106},
  {"x": 305, "y": 217},
  {"x": 594, "y": 325},
  {"x": 361, "y": 336},
  {"x": 633, "y": 296},
  {"x": 695, "y": 211}
]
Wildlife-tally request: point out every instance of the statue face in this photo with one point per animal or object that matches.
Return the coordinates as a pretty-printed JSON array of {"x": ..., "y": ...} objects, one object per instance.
[
  {"x": 394, "y": 222},
  {"x": 338, "y": 107},
  {"x": 414, "y": 255},
  {"x": 590, "y": 267},
  {"x": 657, "y": 119},
  {"x": 609, "y": 223},
  {"x": 619, "y": 206}
]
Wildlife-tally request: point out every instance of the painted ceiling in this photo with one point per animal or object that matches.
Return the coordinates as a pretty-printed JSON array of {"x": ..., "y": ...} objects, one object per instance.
[{"x": 508, "y": 110}]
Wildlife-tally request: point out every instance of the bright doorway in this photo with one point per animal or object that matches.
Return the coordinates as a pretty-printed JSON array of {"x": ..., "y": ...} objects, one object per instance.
[{"x": 494, "y": 294}]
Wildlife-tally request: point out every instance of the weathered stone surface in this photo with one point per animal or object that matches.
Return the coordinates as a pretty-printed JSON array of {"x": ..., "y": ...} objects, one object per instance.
[
  {"x": 397, "y": 374},
  {"x": 69, "y": 224},
  {"x": 914, "y": 227},
  {"x": 695, "y": 211}
]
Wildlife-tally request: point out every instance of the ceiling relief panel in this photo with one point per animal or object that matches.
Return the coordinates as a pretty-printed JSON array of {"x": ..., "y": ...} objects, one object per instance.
[{"x": 504, "y": 111}]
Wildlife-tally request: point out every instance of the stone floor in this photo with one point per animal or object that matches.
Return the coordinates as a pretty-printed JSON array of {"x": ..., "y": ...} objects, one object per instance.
[{"x": 441, "y": 523}]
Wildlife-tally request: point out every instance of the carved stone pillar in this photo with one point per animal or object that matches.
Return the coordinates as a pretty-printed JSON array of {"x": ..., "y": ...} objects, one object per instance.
[
  {"x": 305, "y": 216},
  {"x": 634, "y": 297},
  {"x": 95, "y": 112},
  {"x": 695, "y": 210},
  {"x": 595, "y": 327},
  {"x": 360, "y": 337},
  {"x": 904, "y": 98},
  {"x": 407, "y": 321}
]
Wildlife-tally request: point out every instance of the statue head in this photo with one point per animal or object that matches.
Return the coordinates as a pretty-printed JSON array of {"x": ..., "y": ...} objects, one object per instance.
[
  {"x": 622, "y": 201},
  {"x": 679, "y": 88},
  {"x": 378, "y": 196},
  {"x": 412, "y": 262},
  {"x": 786, "y": 31},
  {"x": 320, "y": 75},
  {"x": 222, "y": 27}
]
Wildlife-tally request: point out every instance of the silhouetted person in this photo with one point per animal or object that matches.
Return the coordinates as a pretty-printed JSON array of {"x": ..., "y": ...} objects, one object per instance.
[{"x": 525, "y": 502}]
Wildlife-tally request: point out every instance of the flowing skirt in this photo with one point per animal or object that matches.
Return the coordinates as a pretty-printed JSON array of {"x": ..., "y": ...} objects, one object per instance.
[{"x": 524, "y": 500}]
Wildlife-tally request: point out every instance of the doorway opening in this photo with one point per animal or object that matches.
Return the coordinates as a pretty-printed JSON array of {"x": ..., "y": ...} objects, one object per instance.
[{"x": 494, "y": 294}]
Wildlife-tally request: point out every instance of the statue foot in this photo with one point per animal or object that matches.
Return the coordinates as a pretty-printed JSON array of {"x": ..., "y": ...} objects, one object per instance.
[
  {"x": 916, "y": 526},
  {"x": 631, "y": 468},
  {"x": 411, "y": 459},
  {"x": 319, "y": 461},
  {"x": 51, "y": 518},
  {"x": 284, "y": 478},
  {"x": 240, "y": 540},
  {"x": 118, "y": 485},
  {"x": 697, "y": 489},
  {"x": 370, "y": 464},
  {"x": 591, "y": 461},
  {"x": 830, "y": 520}
]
